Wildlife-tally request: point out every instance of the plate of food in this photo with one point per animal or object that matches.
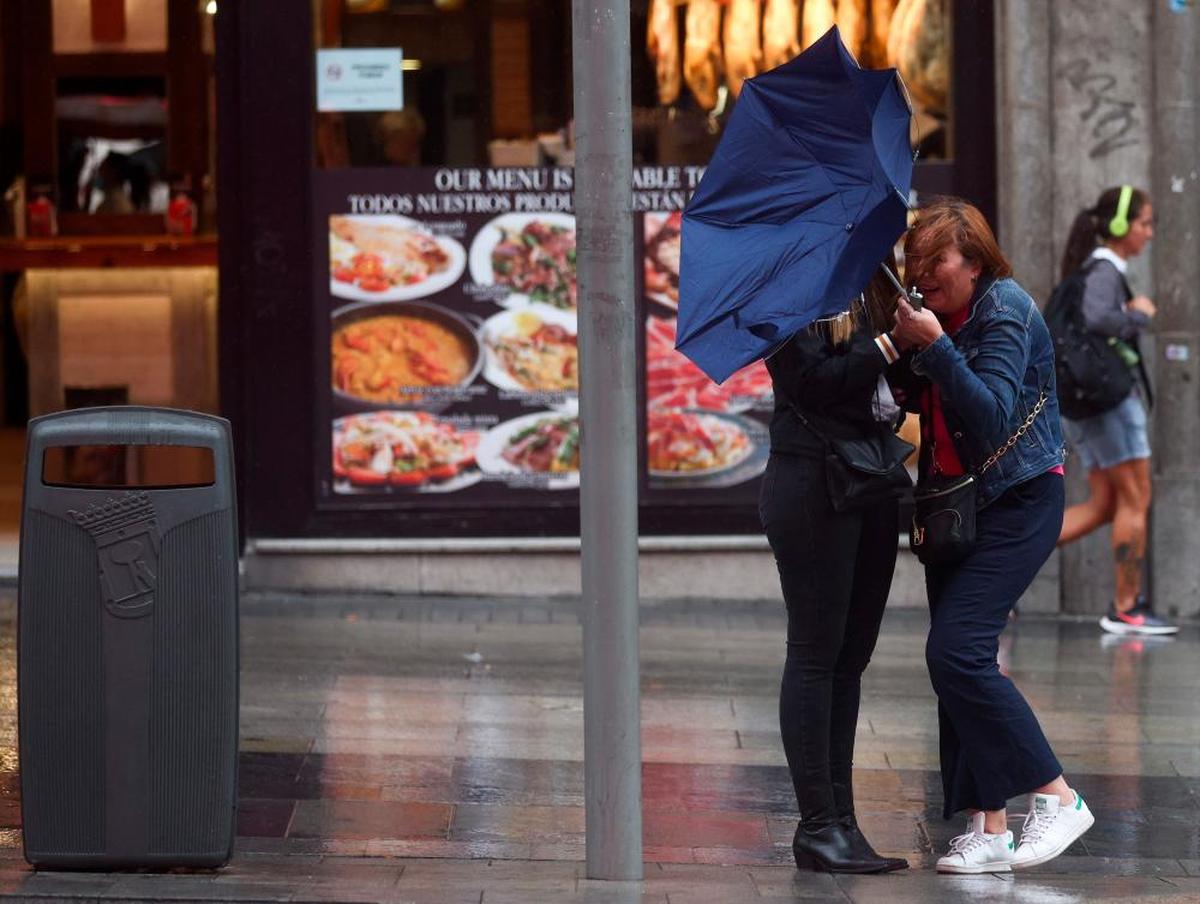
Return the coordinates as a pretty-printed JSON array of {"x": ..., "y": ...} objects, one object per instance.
[
  {"x": 402, "y": 451},
  {"x": 402, "y": 354},
  {"x": 540, "y": 449},
  {"x": 532, "y": 254},
  {"x": 662, "y": 247},
  {"x": 698, "y": 444},
  {"x": 673, "y": 381},
  {"x": 390, "y": 258},
  {"x": 532, "y": 349}
]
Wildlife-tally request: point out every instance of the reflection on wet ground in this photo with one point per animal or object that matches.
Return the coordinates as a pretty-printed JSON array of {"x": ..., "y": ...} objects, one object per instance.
[{"x": 431, "y": 750}]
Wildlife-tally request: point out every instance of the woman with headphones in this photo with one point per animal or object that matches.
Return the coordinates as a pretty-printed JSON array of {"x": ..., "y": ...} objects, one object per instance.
[{"x": 1113, "y": 446}]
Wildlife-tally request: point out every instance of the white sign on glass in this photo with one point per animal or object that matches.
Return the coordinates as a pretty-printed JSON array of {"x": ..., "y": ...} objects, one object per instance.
[{"x": 360, "y": 79}]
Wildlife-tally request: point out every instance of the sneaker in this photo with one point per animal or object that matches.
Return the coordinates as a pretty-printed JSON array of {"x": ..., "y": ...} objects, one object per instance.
[
  {"x": 1138, "y": 620},
  {"x": 1050, "y": 829},
  {"x": 978, "y": 852}
]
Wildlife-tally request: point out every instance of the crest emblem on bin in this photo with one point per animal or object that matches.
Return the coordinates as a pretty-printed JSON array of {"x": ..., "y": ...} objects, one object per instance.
[{"x": 125, "y": 529}]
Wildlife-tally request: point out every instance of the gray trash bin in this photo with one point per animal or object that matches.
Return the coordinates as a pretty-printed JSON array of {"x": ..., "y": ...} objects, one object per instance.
[{"x": 127, "y": 640}]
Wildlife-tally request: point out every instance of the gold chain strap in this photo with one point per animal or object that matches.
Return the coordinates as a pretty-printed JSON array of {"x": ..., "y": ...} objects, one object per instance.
[{"x": 1021, "y": 431}]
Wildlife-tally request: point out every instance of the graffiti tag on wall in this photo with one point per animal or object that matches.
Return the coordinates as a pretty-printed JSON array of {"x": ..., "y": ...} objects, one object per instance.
[{"x": 1114, "y": 124}]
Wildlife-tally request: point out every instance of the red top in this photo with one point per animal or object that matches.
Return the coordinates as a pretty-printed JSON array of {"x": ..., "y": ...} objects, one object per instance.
[
  {"x": 934, "y": 431},
  {"x": 933, "y": 423}
]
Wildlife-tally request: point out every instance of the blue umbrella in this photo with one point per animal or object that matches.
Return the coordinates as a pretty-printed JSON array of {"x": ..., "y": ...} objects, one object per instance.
[{"x": 806, "y": 194}]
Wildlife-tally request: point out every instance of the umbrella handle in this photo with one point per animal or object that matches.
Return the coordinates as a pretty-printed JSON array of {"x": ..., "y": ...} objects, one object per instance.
[{"x": 915, "y": 299}]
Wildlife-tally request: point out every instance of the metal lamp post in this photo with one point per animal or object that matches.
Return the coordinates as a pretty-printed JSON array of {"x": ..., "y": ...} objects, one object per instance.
[{"x": 608, "y": 424}]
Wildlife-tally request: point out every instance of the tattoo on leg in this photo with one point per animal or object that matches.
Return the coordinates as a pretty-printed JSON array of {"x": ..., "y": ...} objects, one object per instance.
[{"x": 1129, "y": 565}]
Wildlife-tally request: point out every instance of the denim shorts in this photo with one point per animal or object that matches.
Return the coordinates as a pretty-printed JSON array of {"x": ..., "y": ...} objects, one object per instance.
[{"x": 1108, "y": 439}]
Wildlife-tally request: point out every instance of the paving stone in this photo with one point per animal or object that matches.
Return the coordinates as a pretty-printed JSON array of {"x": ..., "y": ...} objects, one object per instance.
[
  {"x": 532, "y": 825},
  {"x": 379, "y": 764},
  {"x": 369, "y": 820}
]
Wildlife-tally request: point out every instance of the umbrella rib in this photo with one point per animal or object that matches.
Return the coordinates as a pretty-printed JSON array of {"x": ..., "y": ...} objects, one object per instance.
[{"x": 774, "y": 122}]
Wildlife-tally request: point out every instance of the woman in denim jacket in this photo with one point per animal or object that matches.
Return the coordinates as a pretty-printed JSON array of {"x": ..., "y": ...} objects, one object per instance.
[{"x": 981, "y": 362}]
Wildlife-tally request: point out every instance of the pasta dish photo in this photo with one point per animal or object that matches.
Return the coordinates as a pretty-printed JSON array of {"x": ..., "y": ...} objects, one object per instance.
[{"x": 535, "y": 351}]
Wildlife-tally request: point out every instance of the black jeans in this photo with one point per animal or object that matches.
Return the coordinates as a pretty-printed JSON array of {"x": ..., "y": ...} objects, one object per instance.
[
  {"x": 991, "y": 745},
  {"x": 835, "y": 569}
]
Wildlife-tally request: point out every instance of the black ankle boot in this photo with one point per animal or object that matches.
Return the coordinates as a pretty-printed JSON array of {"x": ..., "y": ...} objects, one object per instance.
[
  {"x": 843, "y": 796},
  {"x": 832, "y": 849},
  {"x": 863, "y": 849}
]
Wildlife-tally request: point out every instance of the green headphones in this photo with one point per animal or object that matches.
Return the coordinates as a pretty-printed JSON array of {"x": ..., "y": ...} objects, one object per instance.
[{"x": 1118, "y": 226}]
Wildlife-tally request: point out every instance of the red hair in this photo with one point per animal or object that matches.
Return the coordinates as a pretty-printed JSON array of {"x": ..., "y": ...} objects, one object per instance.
[{"x": 952, "y": 221}]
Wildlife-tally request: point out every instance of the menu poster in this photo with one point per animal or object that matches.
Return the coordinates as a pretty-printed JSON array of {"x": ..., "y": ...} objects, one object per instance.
[{"x": 447, "y": 313}]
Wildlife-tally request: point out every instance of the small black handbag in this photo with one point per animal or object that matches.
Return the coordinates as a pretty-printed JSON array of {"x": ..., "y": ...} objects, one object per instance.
[
  {"x": 943, "y": 521},
  {"x": 862, "y": 472}
]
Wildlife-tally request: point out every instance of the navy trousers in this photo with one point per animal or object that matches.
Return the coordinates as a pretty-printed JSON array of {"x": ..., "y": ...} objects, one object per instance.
[
  {"x": 992, "y": 747},
  {"x": 835, "y": 570}
]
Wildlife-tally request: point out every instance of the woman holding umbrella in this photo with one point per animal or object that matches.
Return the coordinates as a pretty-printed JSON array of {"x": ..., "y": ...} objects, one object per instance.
[
  {"x": 835, "y": 566},
  {"x": 806, "y": 194},
  {"x": 983, "y": 380}
]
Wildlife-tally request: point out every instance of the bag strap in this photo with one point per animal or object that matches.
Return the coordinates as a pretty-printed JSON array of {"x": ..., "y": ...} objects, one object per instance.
[
  {"x": 1021, "y": 431},
  {"x": 821, "y": 437}
]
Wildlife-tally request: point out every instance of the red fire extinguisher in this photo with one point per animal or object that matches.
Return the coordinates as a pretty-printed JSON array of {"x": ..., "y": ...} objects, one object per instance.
[
  {"x": 41, "y": 218},
  {"x": 181, "y": 214}
]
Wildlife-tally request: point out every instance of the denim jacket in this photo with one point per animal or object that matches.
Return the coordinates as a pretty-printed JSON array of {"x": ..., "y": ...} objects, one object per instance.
[{"x": 991, "y": 373}]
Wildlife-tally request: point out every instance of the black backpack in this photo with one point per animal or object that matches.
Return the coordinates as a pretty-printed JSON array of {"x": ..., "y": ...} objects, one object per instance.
[{"x": 1091, "y": 375}]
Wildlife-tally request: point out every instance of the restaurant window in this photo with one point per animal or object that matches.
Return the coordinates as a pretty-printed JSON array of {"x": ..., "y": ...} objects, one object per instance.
[
  {"x": 695, "y": 55},
  {"x": 482, "y": 84},
  {"x": 492, "y": 84},
  {"x": 108, "y": 250},
  {"x": 446, "y": 297}
]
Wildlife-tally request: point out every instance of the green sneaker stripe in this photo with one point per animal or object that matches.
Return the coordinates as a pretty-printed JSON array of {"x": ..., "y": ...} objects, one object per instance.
[{"x": 1078, "y": 801}]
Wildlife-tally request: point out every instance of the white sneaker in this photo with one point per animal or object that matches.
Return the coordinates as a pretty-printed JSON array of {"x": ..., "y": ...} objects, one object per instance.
[
  {"x": 978, "y": 852},
  {"x": 1050, "y": 829}
]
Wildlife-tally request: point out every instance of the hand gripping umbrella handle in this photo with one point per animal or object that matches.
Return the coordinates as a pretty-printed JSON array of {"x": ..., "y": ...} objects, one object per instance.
[{"x": 914, "y": 298}]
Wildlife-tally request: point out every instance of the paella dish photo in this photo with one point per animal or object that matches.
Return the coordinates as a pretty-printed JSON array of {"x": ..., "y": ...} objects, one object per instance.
[{"x": 390, "y": 358}]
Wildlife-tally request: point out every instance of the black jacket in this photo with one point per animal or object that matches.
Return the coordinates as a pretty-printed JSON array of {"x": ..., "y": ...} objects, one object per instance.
[{"x": 833, "y": 387}]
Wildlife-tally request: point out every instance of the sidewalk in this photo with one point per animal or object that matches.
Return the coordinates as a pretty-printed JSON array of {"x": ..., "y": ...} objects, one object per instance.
[{"x": 430, "y": 750}]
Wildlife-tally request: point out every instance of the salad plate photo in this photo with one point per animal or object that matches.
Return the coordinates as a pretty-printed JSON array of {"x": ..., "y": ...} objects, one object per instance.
[
  {"x": 402, "y": 451},
  {"x": 532, "y": 254},
  {"x": 537, "y": 450}
]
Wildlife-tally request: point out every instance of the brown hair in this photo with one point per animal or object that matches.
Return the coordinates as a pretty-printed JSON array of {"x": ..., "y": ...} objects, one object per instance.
[
  {"x": 1091, "y": 226},
  {"x": 943, "y": 222}
]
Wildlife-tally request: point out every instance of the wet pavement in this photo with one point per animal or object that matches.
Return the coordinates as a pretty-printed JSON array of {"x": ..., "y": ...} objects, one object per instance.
[{"x": 430, "y": 750}]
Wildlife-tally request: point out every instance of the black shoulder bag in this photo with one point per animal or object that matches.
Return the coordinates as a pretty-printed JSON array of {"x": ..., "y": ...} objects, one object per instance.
[
  {"x": 862, "y": 472},
  {"x": 943, "y": 522},
  {"x": 1092, "y": 375}
]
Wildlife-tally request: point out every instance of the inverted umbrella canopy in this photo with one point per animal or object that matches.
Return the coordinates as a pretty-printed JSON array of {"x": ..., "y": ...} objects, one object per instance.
[{"x": 806, "y": 194}]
